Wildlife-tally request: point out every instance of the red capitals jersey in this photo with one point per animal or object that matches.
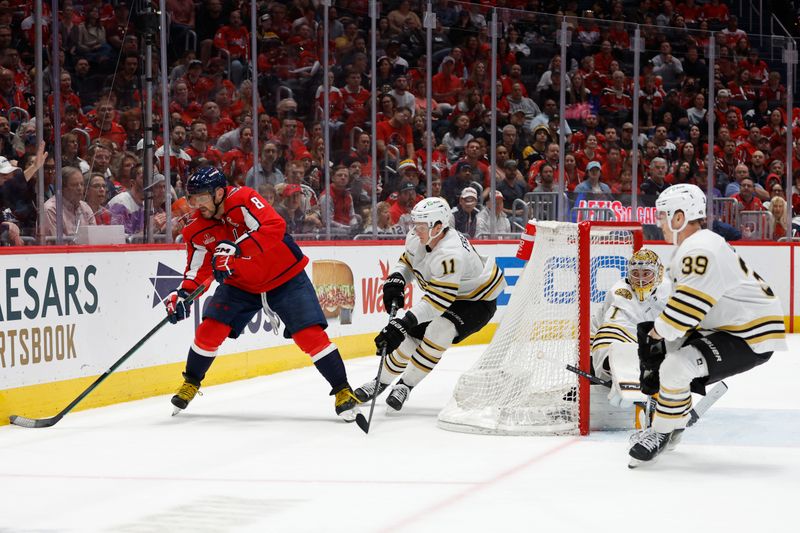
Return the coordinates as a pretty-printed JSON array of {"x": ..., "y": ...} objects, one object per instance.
[{"x": 269, "y": 256}]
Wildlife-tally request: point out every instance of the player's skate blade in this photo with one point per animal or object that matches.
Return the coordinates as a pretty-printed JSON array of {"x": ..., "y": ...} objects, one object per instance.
[
  {"x": 650, "y": 444},
  {"x": 397, "y": 398},
  {"x": 189, "y": 389},
  {"x": 366, "y": 391},
  {"x": 346, "y": 404}
]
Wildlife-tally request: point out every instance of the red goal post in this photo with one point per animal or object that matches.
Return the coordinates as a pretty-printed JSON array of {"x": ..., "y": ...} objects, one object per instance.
[{"x": 585, "y": 230}]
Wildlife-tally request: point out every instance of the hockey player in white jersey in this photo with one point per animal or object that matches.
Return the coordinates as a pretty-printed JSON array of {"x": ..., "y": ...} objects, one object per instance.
[
  {"x": 721, "y": 319},
  {"x": 639, "y": 297},
  {"x": 460, "y": 290}
]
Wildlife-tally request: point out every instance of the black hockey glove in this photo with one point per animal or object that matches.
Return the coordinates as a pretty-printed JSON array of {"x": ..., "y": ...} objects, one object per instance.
[
  {"x": 651, "y": 354},
  {"x": 223, "y": 262},
  {"x": 392, "y": 336},
  {"x": 177, "y": 308},
  {"x": 393, "y": 289}
]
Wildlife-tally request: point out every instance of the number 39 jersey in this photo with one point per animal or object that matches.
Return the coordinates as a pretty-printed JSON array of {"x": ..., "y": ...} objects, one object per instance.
[
  {"x": 452, "y": 271},
  {"x": 714, "y": 289},
  {"x": 269, "y": 257}
]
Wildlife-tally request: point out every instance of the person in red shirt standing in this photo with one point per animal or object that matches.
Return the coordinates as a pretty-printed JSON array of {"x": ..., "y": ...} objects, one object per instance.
[
  {"x": 235, "y": 39},
  {"x": 103, "y": 126},
  {"x": 237, "y": 237},
  {"x": 199, "y": 145},
  {"x": 396, "y": 131},
  {"x": 237, "y": 162},
  {"x": 445, "y": 85}
]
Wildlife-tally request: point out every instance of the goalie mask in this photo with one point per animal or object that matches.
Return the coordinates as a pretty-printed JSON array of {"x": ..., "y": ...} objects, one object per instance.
[
  {"x": 645, "y": 273},
  {"x": 432, "y": 211}
]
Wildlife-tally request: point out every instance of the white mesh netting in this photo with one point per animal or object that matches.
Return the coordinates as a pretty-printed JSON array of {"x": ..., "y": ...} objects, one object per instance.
[{"x": 520, "y": 386}]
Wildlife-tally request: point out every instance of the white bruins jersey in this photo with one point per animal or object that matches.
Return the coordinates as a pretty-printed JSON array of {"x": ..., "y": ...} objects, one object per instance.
[
  {"x": 713, "y": 289},
  {"x": 622, "y": 311},
  {"x": 452, "y": 271}
]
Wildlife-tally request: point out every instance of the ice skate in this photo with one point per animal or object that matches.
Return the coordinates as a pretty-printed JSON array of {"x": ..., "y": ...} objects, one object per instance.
[
  {"x": 346, "y": 404},
  {"x": 646, "y": 446},
  {"x": 185, "y": 394},
  {"x": 398, "y": 397},
  {"x": 366, "y": 391}
]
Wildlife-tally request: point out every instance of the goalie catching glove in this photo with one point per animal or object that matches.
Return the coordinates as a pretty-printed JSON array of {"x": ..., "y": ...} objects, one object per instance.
[
  {"x": 224, "y": 261},
  {"x": 651, "y": 354},
  {"x": 177, "y": 308},
  {"x": 392, "y": 336},
  {"x": 393, "y": 289}
]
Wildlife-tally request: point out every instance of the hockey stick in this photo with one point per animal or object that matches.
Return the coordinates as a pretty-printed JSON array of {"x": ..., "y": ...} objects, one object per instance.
[
  {"x": 47, "y": 422},
  {"x": 362, "y": 422},
  {"x": 705, "y": 403}
]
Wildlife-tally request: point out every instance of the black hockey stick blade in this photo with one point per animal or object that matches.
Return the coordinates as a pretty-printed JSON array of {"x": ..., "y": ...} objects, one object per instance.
[
  {"x": 47, "y": 422},
  {"x": 26, "y": 422},
  {"x": 363, "y": 423},
  {"x": 590, "y": 377}
]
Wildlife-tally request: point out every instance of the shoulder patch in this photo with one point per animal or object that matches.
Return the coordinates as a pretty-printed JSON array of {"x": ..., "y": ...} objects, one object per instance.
[{"x": 625, "y": 293}]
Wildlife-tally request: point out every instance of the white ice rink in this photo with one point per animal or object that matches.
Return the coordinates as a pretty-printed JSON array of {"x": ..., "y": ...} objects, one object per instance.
[{"x": 266, "y": 455}]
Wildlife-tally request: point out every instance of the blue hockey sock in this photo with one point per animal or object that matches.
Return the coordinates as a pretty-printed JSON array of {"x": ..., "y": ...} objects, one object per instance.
[
  {"x": 197, "y": 365},
  {"x": 330, "y": 365}
]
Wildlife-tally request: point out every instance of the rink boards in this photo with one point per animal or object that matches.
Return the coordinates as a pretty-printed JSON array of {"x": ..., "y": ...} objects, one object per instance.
[{"x": 67, "y": 314}]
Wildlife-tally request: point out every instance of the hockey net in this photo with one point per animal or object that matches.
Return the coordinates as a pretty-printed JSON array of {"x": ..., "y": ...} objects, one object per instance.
[{"x": 520, "y": 385}]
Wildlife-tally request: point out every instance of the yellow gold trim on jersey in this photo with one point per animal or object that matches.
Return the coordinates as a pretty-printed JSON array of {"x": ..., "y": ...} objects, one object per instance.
[
  {"x": 608, "y": 335},
  {"x": 765, "y": 337},
  {"x": 435, "y": 305},
  {"x": 600, "y": 345},
  {"x": 443, "y": 285},
  {"x": 694, "y": 293},
  {"x": 404, "y": 260},
  {"x": 753, "y": 324},
  {"x": 446, "y": 296},
  {"x": 493, "y": 280},
  {"x": 686, "y": 309},
  {"x": 674, "y": 322},
  {"x": 619, "y": 329}
]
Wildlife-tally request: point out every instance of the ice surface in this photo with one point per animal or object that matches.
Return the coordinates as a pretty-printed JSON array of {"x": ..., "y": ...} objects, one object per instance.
[{"x": 267, "y": 454}]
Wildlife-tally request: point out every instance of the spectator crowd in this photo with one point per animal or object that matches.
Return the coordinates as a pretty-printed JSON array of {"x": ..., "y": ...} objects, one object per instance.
[{"x": 211, "y": 115}]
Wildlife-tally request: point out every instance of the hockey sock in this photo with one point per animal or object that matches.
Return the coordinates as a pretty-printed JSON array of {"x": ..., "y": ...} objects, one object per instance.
[
  {"x": 197, "y": 365},
  {"x": 424, "y": 359},
  {"x": 324, "y": 354},
  {"x": 393, "y": 365},
  {"x": 672, "y": 409},
  {"x": 207, "y": 339},
  {"x": 439, "y": 336}
]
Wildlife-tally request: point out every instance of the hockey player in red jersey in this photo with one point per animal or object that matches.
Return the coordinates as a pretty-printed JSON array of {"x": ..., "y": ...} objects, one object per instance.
[{"x": 236, "y": 236}]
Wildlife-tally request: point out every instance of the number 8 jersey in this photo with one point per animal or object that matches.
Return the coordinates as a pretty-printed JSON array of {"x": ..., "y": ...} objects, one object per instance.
[
  {"x": 714, "y": 289},
  {"x": 452, "y": 271},
  {"x": 270, "y": 257}
]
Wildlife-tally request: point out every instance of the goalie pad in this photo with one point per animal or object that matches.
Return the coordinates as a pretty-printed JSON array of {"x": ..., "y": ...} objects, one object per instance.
[{"x": 623, "y": 359}]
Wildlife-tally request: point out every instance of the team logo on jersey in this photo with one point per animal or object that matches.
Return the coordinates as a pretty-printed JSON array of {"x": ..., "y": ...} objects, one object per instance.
[
  {"x": 625, "y": 293},
  {"x": 231, "y": 222},
  {"x": 208, "y": 239}
]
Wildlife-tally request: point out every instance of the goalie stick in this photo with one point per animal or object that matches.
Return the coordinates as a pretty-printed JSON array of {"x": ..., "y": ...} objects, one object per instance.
[
  {"x": 53, "y": 420},
  {"x": 699, "y": 409},
  {"x": 362, "y": 422}
]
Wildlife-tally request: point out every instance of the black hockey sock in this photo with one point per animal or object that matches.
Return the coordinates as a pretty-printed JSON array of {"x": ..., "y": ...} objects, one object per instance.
[
  {"x": 197, "y": 365},
  {"x": 332, "y": 369}
]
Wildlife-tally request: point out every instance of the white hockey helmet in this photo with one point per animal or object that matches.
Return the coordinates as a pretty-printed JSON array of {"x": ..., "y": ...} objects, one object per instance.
[
  {"x": 431, "y": 211},
  {"x": 645, "y": 272},
  {"x": 682, "y": 197}
]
